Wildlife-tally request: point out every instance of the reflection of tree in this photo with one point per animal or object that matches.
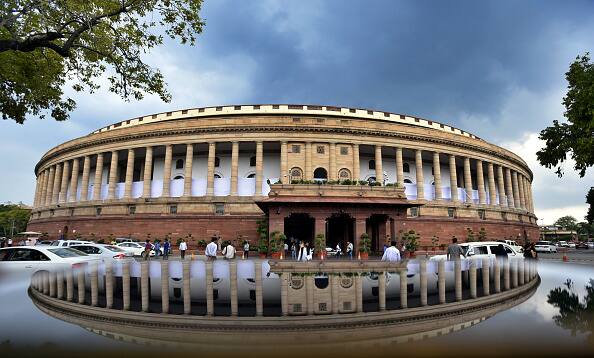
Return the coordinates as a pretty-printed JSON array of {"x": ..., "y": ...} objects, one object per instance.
[{"x": 574, "y": 315}]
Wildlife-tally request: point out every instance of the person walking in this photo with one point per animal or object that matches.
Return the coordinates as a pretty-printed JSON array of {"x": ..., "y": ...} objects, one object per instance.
[
  {"x": 9, "y": 242},
  {"x": 246, "y": 250},
  {"x": 147, "y": 249},
  {"x": 392, "y": 254},
  {"x": 338, "y": 251},
  {"x": 166, "y": 249},
  {"x": 302, "y": 252},
  {"x": 182, "y": 248},
  {"x": 157, "y": 248},
  {"x": 285, "y": 249},
  {"x": 350, "y": 250},
  {"x": 293, "y": 250},
  {"x": 454, "y": 250},
  {"x": 211, "y": 249},
  {"x": 229, "y": 251}
]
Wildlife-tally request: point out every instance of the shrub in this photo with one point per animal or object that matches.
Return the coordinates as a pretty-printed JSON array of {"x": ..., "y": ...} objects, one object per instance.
[
  {"x": 410, "y": 240},
  {"x": 470, "y": 237},
  {"x": 365, "y": 243},
  {"x": 320, "y": 243},
  {"x": 202, "y": 243},
  {"x": 482, "y": 234}
]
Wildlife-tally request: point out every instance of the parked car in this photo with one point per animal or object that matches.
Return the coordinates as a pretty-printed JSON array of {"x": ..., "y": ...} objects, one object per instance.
[
  {"x": 545, "y": 246},
  {"x": 562, "y": 244},
  {"x": 571, "y": 245},
  {"x": 43, "y": 242},
  {"x": 591, "y": 244},
  {"x": 482, "y": 249},
  {"x": 136, "y": 248},
  {"x": 29, "y": 259},
  {"x": 581, "y": 245},
  {"x": 68, "y": 243},
  {"x": 119, "y": 240},
  {"x": 103, "y": 251},
  {"x": 513, "y": 244}
]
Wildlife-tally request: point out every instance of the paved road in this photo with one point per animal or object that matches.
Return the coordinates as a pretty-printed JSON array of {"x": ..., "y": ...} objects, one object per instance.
[{"x": 573, "y": 255}]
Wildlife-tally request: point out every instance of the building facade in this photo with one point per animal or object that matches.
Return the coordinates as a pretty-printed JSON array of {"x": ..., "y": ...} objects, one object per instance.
[{"x": 207, "y": 171}]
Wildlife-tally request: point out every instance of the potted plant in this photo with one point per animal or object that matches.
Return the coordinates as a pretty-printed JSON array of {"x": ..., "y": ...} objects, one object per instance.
[
  {"x": 275, "y": 244},
  {"x": 482, "y": 234},
  {"x": 364, "y": 246},
  {"x": 410, "y": 239},
  {"x": 262, "y": 230},
  {"x": 320, "y": 246},
  {"x": 434, "y": 242}
]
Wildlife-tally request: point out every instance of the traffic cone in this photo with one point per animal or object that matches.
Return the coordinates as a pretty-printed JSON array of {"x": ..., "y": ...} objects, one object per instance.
[{"x": 565, "y": 259}]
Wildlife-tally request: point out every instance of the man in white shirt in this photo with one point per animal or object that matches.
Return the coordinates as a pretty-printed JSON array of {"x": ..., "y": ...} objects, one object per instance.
[
  {"x": 182, "y": 248},
  {"x": 391, "y": 254},
  {"x": 229, "y": 251},
  {"x": 211, "y": 249}
]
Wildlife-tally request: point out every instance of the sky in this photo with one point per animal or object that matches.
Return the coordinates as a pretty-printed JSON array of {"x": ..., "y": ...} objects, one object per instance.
[{"x": 493, "y": 68}]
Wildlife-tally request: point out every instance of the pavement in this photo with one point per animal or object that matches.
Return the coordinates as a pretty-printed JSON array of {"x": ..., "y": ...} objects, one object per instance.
[{"x": 585, "y": 256}]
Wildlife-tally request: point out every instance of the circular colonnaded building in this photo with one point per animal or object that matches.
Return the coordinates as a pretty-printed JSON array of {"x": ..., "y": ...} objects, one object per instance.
[{"x": 218, "y": 171}]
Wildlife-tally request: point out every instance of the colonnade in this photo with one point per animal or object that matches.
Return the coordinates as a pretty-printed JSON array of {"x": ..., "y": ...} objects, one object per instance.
[{"x": 511, "y": 187}]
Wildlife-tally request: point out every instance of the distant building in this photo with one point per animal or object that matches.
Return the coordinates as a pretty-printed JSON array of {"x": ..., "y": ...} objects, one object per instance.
[{"x": 556, "y": 233}]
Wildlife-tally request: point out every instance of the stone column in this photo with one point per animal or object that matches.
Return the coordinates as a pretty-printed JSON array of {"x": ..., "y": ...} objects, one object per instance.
[
  {"x": 437, "y": 176},
  {"x": 501, "y": 187},
  {"x": 360, "y": 228},
  {"x": 46, "y": 283},
  {"x": 506, "y": 276},
  {"x": 458, "y": 278},
  {"x": 113, "y": 175},
  {"x": 50, "y": 186},
  {"x": 43, "y": 194},
  {"x": 167, "y": 171},
  {"x": 259, "y": 167},
  {"x": 453, "y": 179},
  {"x": 404, "y": 289},
  {"x": 359, "y": 293},
  {"x": 126, "y": 285},
  {"x": 399, "y": 167},
  {"x": 129, "y": 174},
  {"x": 144, "y": 285},
  {"x": 514, "y": 273},
  {"x": 517, "y": 192},
  {"x": 52, "y": 284},
  {"x": 381, "y": 283},
  {"x": 283, "y": 162},
  {"x": 356, "y": 163},
  {"x": 423, "y": 279},
  {"x": 481, "y": 182},
  {"x": 319, "y": 225},
  {"x": 485, "y": 270},
  {"x": 491, "y": 179},
  {"x": 472, "y": 277},
  {"x": 333, "y": 175},
  {"x": 467, "y": 181},
  {"x": 258, "y": 278},
  {"x": 84, "y": 190},
  {"x": 165, "y": 286},
  {"x": 64, "y": 183},
  {"x": 379, "y": 168},
  {"x": 285, "y": 293},
  {"x": 308, "y": 175},
  {"x": 57, "y": 180},
  {"x": 309, "y": 291},
  {"x": 80, "y": 286},
  {"x": 335, "y": 287},
  {"x": 441, "y": 280},
  {"x": 39, "y": 193},
  {"x": 109, "y": 284},
  {"x": 526, "y": 271},
  {"x": 36, "y": 196},
  {"x": 148, "y": 172},
  {"x": 420, "y": 179},
  {"x": 94, "y": 284},
  {"x": 508, "y": 188},
  {"x": 497, "y": 276},
  {"x": 522, "y": 187},
  {"x": 98, "y": 177},
  {"x": 69, "y": 285},
  {"x": 188, "y": 169},
  {"x": 60, "y": 284},
  {"x": 210, "y": 171},
  {"x": 234, "y": 167},
  {"x": 209, "y": 292},
  {"x": 233, "y": 288},
  {"x": 186, "y": 287},
  {"x": 74, "y": 180}
]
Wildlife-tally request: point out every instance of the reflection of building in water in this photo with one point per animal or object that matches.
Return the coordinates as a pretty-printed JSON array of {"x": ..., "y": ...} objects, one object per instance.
[{"x": 332, "y": 310}]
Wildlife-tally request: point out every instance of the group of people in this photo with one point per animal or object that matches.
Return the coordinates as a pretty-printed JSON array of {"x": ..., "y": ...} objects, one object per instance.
[
  {"x": 303, "y": 251},
  {"x": 156, "y": 246}
]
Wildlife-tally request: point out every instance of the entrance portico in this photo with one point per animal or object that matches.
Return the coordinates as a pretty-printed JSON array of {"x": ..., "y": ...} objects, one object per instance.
[{"x": 341, "y": 213}]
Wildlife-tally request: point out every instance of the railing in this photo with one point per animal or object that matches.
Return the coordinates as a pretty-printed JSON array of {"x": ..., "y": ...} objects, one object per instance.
[{"x": 303, "y": 288}]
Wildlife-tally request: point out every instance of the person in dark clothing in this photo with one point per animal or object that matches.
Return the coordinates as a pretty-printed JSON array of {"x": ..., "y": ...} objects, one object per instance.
[{"x": 500, "y": 252}]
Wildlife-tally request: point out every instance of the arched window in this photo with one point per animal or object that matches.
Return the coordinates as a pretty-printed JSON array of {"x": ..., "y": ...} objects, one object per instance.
[
  {"x": 372, "y": 164},
  {"x": 407, "y": 181},
  {"x": 217, "y": 162},
  {"x": 217, "y": 176},
  {"x": 320, "y": 173},
  {"x": 406, "y": 168},
  {"x": 296, "y": 173},
  {"x": 344, "y": 174},
  {"x": 253, "y": 161},
  {"x": 371, "y": 179},
  {"x": 251, "y": 175},
  {"x": 178, "y": 177},
  {"x": 179, "y": 164}
]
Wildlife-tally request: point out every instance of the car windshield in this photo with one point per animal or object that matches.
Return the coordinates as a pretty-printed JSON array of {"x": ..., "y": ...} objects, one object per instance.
[
  {"x": 67, "y": 252},
  {"x": 113, "y": 248},
  {"x": 464, "y": 249}
]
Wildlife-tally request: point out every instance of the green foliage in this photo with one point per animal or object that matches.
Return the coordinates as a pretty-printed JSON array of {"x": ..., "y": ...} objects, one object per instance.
[
  {"x": 13, "y": 219},
  {"x": 590, "y": 201},
  {"x": 262, "y": 230},
  {"x": 276, "y": 241},
  {"x": 202, "y": 243},
  {"x": 567, "y": 222},
  {"x": 43, "y": 44},
  {"x": 575, "y": 313},
  {"x": 365, "y": 243},
  {"x": 434, "y": 241},
  {"x": 575, "y": 136},
  {"x": 482, "y": 234},
  {"x": 470, "y": 236},
  {"x": 410, "y": 239},
  {"x": 320, "y": 243}
]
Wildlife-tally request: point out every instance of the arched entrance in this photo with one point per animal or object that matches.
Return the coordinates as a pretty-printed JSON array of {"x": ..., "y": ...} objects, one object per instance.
[
  {"x": 300, "y": 227},
  {"x": 320, "y": 173},
  {"x": 376, "y": 229},
  {"x": 340, "y": 231}
]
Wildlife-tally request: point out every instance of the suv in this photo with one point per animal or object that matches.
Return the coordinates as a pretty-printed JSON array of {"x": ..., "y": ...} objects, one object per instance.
[
  {"x": 483, "y": 249},
  {"x": 545, "y": 246}
]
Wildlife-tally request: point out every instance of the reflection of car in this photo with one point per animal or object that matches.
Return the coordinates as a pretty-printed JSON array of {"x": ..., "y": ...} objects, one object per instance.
[
  {"x": 103, "y": 251},
  {"x": 581, "y": 245},
  {"x": 28, "y": 259},
  {"x": 545, "y": 246}
]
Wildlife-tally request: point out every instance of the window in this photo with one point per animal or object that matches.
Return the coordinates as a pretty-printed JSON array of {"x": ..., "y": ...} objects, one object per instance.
[
  {"x": 414, "y": 212},
  {"x": 520, "y": 219},
  {"x": 253, "y": 161},
  {"x": 406, "y": 168},
  {"x": 407, "y": 181},
  {"x": 344, "y": 150},
  {"x": 320, "y": 120},
  {"x": 217, "y": 162},
  {"x": 220, "y": 209},
  {"x": 251, "y": 175},
  {"x": 320, "y": 149},
  {"x": 371, "y": 164},
  {"x": 481, "y": 214},
  {"x": 320, "y": 173},
  {"x": 296, "y": 173},
  {"x": 52, "y": 212},
  {"x": 480, "y": 250},
  {"x": 179, "y": 164},
  {"x": 131, "y": 209},
  {"x": 28, "y": 255},
  {"x": 178, "y": 177},
  {"x": 172, "y": 209},
  {"x": 452, "y": 212},
  {"x": 296, "y": 148},
  {"x": 97, "y": 211},
  {"x": 89, "y": 250},
  {"x": 344, "y": 174},
  {"x": 296, "y": 120},
  {"x": 217, "y": 176},
  {"x": 71, "y": 212}
]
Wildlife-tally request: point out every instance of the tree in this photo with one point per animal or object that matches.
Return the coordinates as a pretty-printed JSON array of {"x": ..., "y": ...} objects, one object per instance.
[
  {"x": 13, "y": 219},
  {"x": 46, "y": 44},
  {"x": 576, "y": 136},
  {"x": 590, "y": 201},
  {"x": 567, "y": 222}
]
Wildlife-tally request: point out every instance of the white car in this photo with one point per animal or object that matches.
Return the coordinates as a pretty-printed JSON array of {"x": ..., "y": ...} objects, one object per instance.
[
  {"x": 68, "y": 243},
  {"x": 106, "y": 252},
  {"x": 135, "y": 248},
  {"x": 483, "y": 249},
  {"x": 513, "y": 244},
  {"x": 571, "y": 245},
  {"x": 545, "y": 246},
  {"x": 29, "y": 259}
]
